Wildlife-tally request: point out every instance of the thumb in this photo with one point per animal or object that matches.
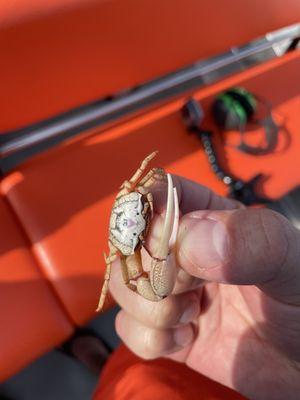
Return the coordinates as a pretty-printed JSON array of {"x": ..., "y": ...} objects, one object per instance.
[{"x": 242, "y": 247}]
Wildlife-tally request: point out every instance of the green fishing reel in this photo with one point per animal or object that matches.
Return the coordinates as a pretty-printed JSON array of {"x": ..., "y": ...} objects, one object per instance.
[{"x": 236, "y": 108}]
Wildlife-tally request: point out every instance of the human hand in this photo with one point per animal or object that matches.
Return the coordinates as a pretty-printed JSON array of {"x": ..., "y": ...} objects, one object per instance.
[{"x": 234, "y": 314}]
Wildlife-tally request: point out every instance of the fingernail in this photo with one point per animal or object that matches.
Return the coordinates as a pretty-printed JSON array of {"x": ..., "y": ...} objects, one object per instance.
[
  {"x": 204, "y": 243},
  {"x": 184, "y": 335},
  {"x": 190, "y": 313}
]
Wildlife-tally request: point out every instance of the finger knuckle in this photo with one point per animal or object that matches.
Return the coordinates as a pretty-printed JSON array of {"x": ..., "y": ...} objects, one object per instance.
[
  {"x": 150, "y": 348},
  {"x": 276, "y": 237},
  {"x": 259, "y": 240},
  {"x": 164, "y": 313}
]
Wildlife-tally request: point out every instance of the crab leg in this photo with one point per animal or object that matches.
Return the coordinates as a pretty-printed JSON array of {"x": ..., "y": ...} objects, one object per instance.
[
  {"x": 139, "y": 172},
  {"x": 128, "y": 185},
  {"x": 155, "y": 174},
  {"x": 150, "y": 201},
  {"x": 108, "y": 261},
  {"x": 126, "y": 274}
]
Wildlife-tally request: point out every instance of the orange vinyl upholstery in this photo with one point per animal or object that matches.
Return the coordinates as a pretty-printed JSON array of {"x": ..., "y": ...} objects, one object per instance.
[
  {"x": 31, "y": 318},
  {"x": 63, "y": 197},
  {"x": 56, "y": 55}
]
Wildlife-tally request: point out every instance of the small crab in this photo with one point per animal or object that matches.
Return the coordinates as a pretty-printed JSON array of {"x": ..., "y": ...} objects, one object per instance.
[{"x": 129, "y": 223}]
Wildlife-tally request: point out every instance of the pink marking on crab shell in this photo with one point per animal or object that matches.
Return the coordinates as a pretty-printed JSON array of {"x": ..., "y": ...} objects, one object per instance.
[{"x": 130, "y": 223}]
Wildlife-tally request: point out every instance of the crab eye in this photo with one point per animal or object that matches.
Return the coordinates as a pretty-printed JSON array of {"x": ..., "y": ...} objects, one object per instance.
[
  {"x": 134, "y": 234},
  {"x": 137, "y": 213}
]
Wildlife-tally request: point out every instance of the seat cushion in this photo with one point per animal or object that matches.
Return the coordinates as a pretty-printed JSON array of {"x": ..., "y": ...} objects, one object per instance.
[
  {"x": 32, "y": 319},
  {"x": 63, "y": 197}
]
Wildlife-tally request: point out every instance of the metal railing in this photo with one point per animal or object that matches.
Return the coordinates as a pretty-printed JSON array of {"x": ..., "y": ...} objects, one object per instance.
[{"x": 96, "y": 114}]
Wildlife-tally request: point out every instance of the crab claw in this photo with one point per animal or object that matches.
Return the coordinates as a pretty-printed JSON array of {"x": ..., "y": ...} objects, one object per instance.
[
  {"x": 163, "y": 267},
  {"x": 163, "y": 271}
]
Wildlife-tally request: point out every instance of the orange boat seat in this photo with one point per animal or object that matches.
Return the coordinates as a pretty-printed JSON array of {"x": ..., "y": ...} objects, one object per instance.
[{"x": 32, "y": 320}]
